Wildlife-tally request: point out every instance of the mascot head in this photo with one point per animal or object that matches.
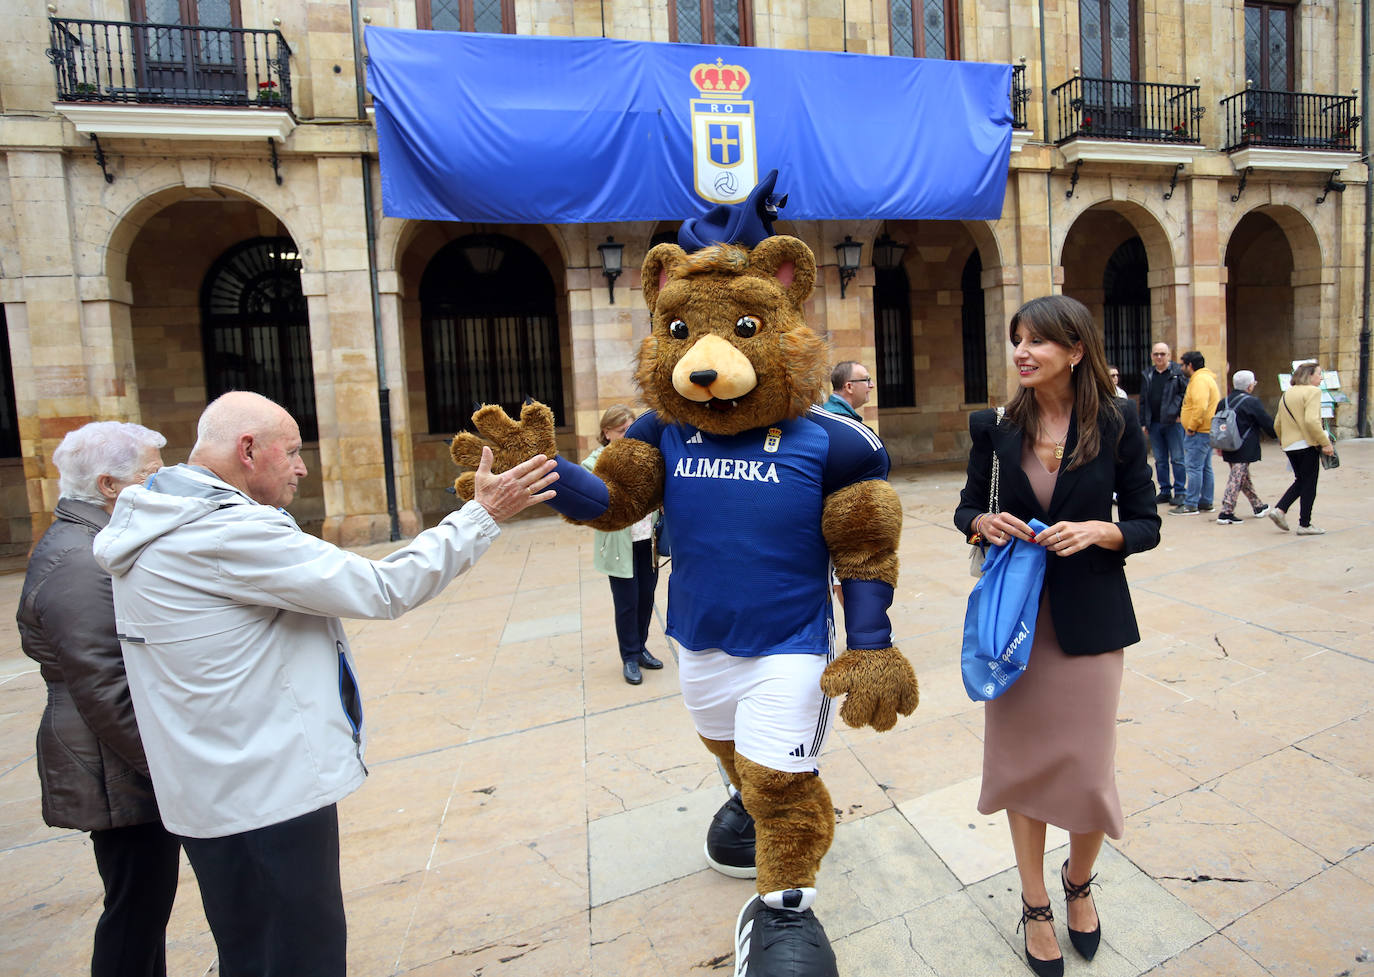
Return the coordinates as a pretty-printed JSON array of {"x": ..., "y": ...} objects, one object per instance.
[{"x": 728, "y": 350}]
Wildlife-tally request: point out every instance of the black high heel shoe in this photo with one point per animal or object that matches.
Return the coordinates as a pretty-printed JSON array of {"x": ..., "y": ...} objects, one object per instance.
[
  {"x": 1084, "y": 943},
  {"x": 1039, "y": 914}
]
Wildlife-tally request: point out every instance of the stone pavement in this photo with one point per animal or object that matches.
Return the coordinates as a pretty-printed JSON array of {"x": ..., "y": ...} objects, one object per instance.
[{"x": 529, "y": 813}]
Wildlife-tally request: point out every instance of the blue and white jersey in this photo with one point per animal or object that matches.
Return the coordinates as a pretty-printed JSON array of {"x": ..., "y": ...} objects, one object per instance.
[{"x": 751, "y": 571}]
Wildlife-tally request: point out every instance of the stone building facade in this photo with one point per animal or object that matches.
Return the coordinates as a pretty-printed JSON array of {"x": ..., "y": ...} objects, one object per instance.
[{"x": 1152, "y": 178}]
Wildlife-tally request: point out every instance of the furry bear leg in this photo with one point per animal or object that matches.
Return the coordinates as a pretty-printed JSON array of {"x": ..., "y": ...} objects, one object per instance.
[
  {"x": 730, "y": 840},
  {"x": 794, "y": 820},
  {"x": 724, "y": 751}
]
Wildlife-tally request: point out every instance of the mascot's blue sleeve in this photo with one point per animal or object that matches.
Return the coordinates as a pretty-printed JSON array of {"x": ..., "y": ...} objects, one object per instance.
[
  {"x": 583, "y": 496},
  {"x": 857, "y": 455}
]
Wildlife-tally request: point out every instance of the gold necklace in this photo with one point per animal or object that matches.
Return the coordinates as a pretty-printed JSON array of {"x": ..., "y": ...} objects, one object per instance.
[{"x": 1059, "y": 443}]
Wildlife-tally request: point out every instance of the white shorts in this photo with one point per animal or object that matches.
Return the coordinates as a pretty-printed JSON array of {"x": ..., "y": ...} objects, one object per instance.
[{"x": 771, "y": 706}]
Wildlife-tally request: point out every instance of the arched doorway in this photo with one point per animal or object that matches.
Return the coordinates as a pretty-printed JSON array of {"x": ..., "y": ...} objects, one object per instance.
[
  {"x": 1126, "y": 311},
  {"x": 489, "y": 331},
  {"x": 255, "y": 328},
  {"x": 1260, "y": 304}
]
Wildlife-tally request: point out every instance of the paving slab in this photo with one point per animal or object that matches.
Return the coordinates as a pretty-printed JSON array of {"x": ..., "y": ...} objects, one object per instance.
[{"x": 529, "y": 813}]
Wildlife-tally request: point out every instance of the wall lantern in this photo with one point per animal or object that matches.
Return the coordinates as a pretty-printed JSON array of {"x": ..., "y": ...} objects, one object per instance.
[
  {"x": 847, "y": 254},
  {"x": 611, "y": 255},
  {"x": 484, "y": 254},
  {"x": 887, "y": 253}
]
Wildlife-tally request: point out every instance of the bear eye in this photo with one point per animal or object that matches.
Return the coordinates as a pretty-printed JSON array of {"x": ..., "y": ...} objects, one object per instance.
[
  {"x": 746, "y": 326},
  {"x": 677, "y": 329}
]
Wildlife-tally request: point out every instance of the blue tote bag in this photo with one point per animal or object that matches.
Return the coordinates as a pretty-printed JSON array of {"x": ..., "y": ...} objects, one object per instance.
[{"x": 999, "y": 624}]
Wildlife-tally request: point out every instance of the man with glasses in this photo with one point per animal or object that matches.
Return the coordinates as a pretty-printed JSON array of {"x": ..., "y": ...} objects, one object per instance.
[
  {"x": 852, "y": 387},
  {"x": 1161, "y": 403}
]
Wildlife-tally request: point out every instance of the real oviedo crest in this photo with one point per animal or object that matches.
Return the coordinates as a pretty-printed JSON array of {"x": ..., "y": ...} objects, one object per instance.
[{"x": 724, "y": 158}]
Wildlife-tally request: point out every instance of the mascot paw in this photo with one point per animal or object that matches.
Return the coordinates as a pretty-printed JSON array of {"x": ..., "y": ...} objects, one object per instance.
[
  {"x": 878, "y": 683},
  {"x": 510, "y": 441}
]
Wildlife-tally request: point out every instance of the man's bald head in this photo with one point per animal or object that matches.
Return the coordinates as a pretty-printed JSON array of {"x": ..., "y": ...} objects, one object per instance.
[{"x": 252, "y": 443}]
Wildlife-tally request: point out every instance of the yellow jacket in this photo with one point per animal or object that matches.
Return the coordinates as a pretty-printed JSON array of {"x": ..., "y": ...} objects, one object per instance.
[
  {"x": 1200, "y": 402},
  {"x": 1299, "y": 415}
]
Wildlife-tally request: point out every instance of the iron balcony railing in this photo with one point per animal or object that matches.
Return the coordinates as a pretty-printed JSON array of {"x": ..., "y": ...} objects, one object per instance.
[
  {"x": 1020, "y": 96},
  {"x": 169, "y": 64},
  {"x": 1298, "y": 120},
  {"x": 1135, "y": 111}
]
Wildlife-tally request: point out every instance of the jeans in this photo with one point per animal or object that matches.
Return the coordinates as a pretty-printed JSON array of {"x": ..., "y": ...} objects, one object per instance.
[
  {"x": 1307, "y": 466},
  {"x": 273, "y": 897},
  {"x": 1197, "y": 451},
  {"x": 633, "y": 598},
  {"x": 1166, "y": 441},
  {"x": 138, "y": 865}
]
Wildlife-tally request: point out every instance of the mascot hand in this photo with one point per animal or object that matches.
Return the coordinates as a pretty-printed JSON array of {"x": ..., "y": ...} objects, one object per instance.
[
  {"x": 510, "y": 441},
  {"x": 878, "y": 683}
]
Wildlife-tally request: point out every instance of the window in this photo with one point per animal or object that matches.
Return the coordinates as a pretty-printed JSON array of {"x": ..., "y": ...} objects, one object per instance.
[
  {"x": 255, "y": 329},
  {"x": 1126, "y": 312},
  {"x": 485, "y": 16},
  {"x": 1269, "y": 46},
  {"x": 711, "y": 22},
  {"x": 489, "y": 331},
  {"x": 925, "y": 28},
  {"x": 1107, "y": 39},
  {"x": 975, "y": 333},
  {"x": 892, "y": 329},
  {"x": 189, "y": 51},
  {"x": 9, "y": 415}
]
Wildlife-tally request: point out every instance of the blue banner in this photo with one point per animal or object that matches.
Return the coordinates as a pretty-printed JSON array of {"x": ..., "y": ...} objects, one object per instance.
[{"x": 518, "y": 129}]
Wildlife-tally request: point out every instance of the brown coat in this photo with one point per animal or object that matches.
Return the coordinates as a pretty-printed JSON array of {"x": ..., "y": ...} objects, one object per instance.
[{"x": 90, "y": 758}]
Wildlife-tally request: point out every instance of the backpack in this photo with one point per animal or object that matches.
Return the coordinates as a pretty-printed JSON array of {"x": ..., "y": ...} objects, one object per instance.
[{"x": 1226, "y": 433}]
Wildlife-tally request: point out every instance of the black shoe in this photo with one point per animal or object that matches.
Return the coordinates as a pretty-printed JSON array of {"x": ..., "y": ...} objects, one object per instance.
[
  {"x": 1229, "y": 519},
  {"x": 1205, "y": 507},
  {"x": 1163, "y": 497},
  {"x": 782, "y": 941},
  {"x": 1183, "y": 510},
  {"x": 1084, "y": 943},
  {"x": 647, "y": 660},
  {"x": 1039, "y": 914},
  {"x": 730, "y": 841},
  {"x": 631, "y": 672}
]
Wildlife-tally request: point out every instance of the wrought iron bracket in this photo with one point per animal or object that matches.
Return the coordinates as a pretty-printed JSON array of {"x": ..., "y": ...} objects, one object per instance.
[
  {"x": 1073, "y": 179},
  {"x": 1173, "y": 182},
  {"x": 1244, "y": 175},
  {"x": 276, "y": 164},
  {"x": 100, "y": 158},
  {"x": 1331, "y": 184}
]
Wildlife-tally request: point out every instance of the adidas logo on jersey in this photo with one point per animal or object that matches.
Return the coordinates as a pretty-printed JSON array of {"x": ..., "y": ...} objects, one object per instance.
[
  {"x": 798, "y": 751},
  {"x": 695, "y": 439}
]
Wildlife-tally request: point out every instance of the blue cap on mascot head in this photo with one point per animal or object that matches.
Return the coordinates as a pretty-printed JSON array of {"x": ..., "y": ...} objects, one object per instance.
[{"x": 746, "y": 223}]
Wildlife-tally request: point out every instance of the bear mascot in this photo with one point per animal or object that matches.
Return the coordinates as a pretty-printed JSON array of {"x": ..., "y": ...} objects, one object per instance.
[{"x": 764, "y": 495}]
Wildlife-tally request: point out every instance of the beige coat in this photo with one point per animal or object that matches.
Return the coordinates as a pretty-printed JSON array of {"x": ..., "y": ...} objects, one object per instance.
[{"x": 1299, "y": 415}]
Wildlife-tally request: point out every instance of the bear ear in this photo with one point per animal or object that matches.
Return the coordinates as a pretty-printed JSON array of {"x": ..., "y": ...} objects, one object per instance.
[
  {"x": 658, "y": 265},
  {"x": 789, "y": 262}
]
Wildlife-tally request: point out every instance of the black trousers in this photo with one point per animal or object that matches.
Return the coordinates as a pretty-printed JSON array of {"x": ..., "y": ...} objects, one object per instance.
[
  {"x": 273, "y": 899},
  {"x": 138, "y": 865},
  {"x": 633, "y": 598},
  {"x": 1307, "y": 466}
]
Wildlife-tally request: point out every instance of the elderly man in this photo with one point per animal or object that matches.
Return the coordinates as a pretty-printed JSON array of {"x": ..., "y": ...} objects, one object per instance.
[
  {"x": 242, "y": 676},
  {"x": 852, "y": 385},
  {"x": 91, "y": 766},
  {"x": 1161, "y": 401}
]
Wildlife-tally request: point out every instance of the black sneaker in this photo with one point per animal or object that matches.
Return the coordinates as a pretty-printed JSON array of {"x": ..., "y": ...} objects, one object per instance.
[
  {"x": 730, "y": 841},
  {"x": 1229, "y": 519},
  {"x": 1183, "y": 510},
  {"x": 1205, "y": 507},
  {"x": 1163, "y": 497},
  {"x": 1263, "y": 510},
  {"x": 783, "y": 940}
]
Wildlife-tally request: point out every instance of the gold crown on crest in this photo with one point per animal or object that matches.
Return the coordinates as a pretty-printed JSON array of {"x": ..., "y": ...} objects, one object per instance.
[{"x": 720, "y": 79}]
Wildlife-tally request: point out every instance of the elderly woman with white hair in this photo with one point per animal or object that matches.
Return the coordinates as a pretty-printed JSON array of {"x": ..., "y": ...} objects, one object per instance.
[
  {"x": 91, "y": 765},
  {"x": 1253, "y": 420}
]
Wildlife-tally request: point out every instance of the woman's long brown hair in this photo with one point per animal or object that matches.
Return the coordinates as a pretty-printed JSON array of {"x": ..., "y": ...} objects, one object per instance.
[{"x": 1066, "y": 321}]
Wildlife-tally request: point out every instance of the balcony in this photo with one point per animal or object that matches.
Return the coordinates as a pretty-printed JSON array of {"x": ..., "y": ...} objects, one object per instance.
[
  {"x": 1127, "y": 121},
  {"x": 1291, "y": 130},
  {"x": 170, "y": 80},
  {"x": 1020, "y": 96}
]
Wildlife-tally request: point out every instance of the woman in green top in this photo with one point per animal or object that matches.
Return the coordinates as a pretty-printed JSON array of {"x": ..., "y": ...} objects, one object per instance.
[{"x": 627, "y": 558}]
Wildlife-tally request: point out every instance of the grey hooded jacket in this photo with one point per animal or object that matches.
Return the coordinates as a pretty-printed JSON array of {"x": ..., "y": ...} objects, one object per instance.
[
  {"x": 90, "y": 759},
  {"x": 241, "y": 675}
]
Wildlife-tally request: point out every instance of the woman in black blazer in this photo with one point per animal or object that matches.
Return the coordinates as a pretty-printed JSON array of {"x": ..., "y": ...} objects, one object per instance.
[{"x": 1065, "y": 446}]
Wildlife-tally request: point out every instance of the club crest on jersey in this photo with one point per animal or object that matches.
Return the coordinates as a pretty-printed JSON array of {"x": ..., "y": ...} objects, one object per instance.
[
  {"x": 770, "y": 443},
  {"x": 724, "y": 158}
]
